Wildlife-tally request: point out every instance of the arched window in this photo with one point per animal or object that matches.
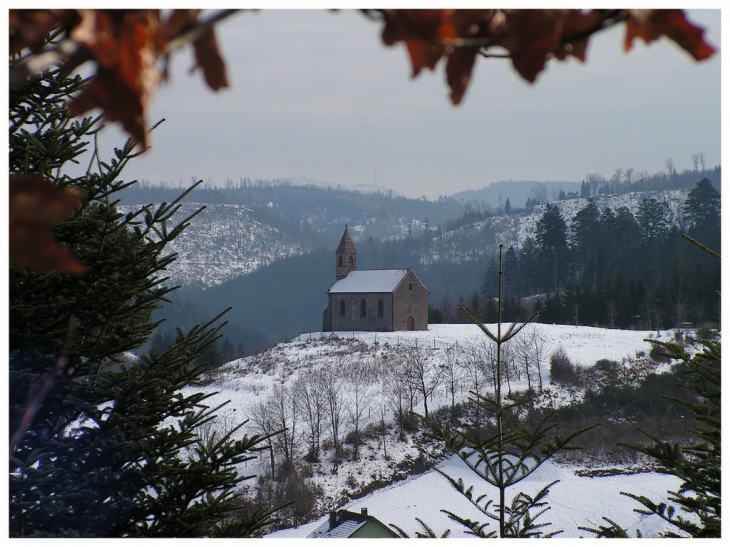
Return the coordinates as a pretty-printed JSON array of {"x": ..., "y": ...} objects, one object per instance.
[
  {"x": 410, "y": 286},
  {"x": 342, "y": 308},
  {"x": 381, "y": 307},
  {"x": 342, "y": 261},
  {"x": 352, "y": 261},
  {"x": 363, "y": 308}
]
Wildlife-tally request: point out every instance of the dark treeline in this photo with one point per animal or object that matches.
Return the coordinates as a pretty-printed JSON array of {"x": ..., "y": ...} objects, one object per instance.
[
  {"x": 612, "y": 268},
  {"x": 626, "y": 180},
  {"x": 504, "y": 195}
]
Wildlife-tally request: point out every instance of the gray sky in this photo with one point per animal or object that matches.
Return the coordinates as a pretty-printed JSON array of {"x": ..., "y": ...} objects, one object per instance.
[{"x": 315, "y": 94}]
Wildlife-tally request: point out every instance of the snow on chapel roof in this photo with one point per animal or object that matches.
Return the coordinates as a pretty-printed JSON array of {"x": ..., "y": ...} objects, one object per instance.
[{"x": 369, "y": 281}]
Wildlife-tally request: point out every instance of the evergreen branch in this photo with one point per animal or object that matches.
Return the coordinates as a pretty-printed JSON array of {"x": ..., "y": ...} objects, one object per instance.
[
  {"x": 473, "y": 527},
  {"x": 701, "y": 246},
  {"x": 471, "y": 315},
  {"x": 611, "y": 531},
  {"x": 38, "y": 391}
]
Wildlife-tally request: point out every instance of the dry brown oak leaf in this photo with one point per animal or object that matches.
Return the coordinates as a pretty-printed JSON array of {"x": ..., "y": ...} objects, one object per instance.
[
  {"x": 126, "y": 46},
  {"x": 530, "y": 37}
]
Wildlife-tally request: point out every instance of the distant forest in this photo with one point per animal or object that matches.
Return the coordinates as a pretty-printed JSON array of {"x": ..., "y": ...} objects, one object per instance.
[{"x": 612, "y": 269}]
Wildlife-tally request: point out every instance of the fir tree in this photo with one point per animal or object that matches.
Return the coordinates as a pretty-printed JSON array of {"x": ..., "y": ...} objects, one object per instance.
[
  {"x": 105, "y": 444},
  {"x": 702, "y": 210},
  {"x": 503, "y": 452},
  {"x": 587, "y": 241},
  {"x": 551, "y": 235}
]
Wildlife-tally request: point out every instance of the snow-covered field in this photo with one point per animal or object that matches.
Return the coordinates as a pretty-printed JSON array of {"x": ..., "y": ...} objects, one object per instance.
[
  {"x": 584, "y": 345},
  {"x": 575, "y": 501}
]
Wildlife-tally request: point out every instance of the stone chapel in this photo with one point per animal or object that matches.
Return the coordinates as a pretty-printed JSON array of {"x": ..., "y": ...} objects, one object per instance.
[{"x": 373, "y": 300}]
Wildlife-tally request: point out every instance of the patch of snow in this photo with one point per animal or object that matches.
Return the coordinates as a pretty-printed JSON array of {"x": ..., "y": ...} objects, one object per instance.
[
  {"x": 370, "y": 281},
  {"x": 575, "y": 501}
]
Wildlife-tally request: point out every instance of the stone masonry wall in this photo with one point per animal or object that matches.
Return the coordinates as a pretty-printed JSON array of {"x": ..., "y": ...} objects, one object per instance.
[
  {"x": 410, "y": 302},
  {"x": 352, "y": 320}
]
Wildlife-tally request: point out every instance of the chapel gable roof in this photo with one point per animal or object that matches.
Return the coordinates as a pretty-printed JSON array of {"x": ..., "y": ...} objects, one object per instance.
[{"x": 369, "y": 281}]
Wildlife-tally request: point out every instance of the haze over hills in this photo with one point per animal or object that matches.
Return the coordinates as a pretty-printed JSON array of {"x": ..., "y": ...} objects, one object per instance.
[
  {"x": 267, "y": 248},
  {"x": 516, "y": 191}
]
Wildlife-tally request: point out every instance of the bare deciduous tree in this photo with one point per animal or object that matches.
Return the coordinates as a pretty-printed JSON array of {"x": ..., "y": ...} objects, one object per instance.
[
  {"x": 310, "y": 394},
  {"x": 421, "y": 372},
  {"x": 539, "y": 344},
  {"x": 397, "y": 391},
  {"x": 282, "y": 408},
  {"x": 259, "y": 414},
  {"x": 629, "y": 175},
  {"x": 358, "y": 379},
  {"x": 611, "y": 312},
  {"x": 476, "y": 356},
  {"x": 334, "y": 404},
  {"x": 452, "y": 368},
  {"x": 529, "y": 348}
]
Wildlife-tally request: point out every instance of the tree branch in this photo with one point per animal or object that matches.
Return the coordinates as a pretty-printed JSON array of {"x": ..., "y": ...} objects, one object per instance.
[
  {"x": 38, "y": 390},
  {"x": 68, "y": 50},
  {"x": 193, "y": 33}
]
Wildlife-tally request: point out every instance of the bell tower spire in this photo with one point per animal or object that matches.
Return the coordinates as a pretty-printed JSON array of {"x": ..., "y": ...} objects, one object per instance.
[{"x": 345, "y": 256}]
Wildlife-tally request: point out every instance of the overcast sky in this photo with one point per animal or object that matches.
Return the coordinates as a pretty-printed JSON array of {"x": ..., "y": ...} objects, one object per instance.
[{"x": 316, "y": 95}]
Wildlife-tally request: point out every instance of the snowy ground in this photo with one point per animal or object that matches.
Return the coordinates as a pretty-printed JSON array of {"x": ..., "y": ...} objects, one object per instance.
[
  {"x": 584, "y": 345},
  {"x": 575, "y": 500}
]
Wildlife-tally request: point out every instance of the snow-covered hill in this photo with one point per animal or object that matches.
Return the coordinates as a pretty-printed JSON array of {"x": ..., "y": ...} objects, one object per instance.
[
  {"x": 223, "y": 241},
  {"x": 576, "y": 501},
  {"x": 482, "y": 238}
]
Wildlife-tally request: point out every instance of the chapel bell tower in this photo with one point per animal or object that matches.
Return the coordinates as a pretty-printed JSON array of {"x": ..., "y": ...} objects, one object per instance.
[{"x": 345, "y": 256}]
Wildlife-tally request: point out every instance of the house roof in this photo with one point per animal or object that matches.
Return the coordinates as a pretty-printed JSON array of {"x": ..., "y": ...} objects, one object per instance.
[
  {"x": 342, "y": 530},
  {"x": 374, "y": 281},
  {"x": 345, "y": 524}
]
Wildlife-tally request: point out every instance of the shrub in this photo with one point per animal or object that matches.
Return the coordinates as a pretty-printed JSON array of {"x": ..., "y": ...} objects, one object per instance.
[
  {"x": 301, "y": 495},
  {"x": 659, "y": 354},
  {"x": 410, "y": 422},
  {"x": 609, "y": 368},
  {"x": 562, "y": 370}
]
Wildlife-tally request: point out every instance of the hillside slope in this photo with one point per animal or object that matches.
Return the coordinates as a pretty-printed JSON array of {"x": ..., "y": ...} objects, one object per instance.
[
  {"x": 258, "y": 380},
  {"x": 256, "y": 223}
]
